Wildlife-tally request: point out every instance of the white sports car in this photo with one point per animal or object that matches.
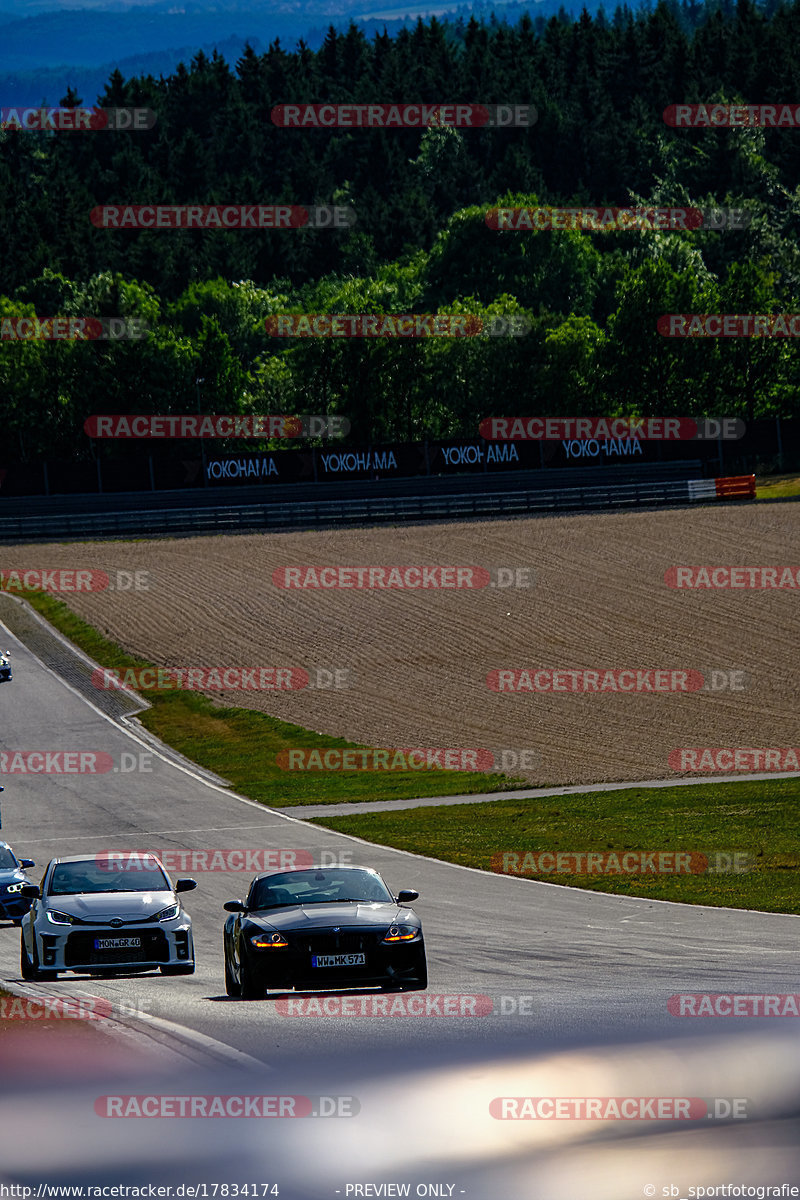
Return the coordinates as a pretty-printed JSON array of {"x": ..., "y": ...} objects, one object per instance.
[{"x": 92, "y": 915}]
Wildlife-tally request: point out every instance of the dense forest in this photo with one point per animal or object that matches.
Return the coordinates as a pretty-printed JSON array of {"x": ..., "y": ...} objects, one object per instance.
[{"x": 420, "y": 241}]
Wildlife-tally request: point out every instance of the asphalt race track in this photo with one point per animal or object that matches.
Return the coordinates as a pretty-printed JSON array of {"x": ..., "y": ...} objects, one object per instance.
[{"x": 563, "y": 969}]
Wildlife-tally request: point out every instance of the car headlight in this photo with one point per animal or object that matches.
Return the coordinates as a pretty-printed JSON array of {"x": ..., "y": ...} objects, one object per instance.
[
  {"x": 401, "y": 933},
  {"x": 168, "y": 914},
  {"x": 58, "y": 918},
  {"x": 269, "y": 941},
  {"x": 13, "y": 888}
]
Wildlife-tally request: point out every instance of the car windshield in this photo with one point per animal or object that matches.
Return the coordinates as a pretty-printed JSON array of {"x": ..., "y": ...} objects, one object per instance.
[
  {"x": 95, "y": 875},
  {"x": 7, "y": 860},
  {"x": 336, "y": 885}
]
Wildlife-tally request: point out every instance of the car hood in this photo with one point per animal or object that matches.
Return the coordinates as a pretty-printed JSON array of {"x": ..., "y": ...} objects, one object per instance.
[
  {"x": 98, "y": 905},
  {"x": 322, "y": 916},
  {"x": 14, "y": 876}
]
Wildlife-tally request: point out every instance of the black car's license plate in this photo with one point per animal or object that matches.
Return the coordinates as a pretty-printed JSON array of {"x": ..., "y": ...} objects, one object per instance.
[
  {"x": 338, "y": 960},
  {"x": 120, "y": 943}
]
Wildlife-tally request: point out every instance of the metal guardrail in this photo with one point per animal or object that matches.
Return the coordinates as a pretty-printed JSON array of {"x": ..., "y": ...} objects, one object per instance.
[{"x": 344, "y": 512}]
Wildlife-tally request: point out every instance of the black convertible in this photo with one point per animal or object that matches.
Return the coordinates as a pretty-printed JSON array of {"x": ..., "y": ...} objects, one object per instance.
[{"x": 322, "y": 928}]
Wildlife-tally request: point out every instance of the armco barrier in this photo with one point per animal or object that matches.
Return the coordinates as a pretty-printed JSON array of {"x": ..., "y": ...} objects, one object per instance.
[
  {"x": 359, "y": 511},
  {"x": 736, "y": 486}
]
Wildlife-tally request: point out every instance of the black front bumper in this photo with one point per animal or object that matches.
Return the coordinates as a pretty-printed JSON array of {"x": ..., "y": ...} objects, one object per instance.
[
  {"x": 13, "y": 908},
  {"x": 80, "y": 950},
  {"x": 384, "y": 964}
]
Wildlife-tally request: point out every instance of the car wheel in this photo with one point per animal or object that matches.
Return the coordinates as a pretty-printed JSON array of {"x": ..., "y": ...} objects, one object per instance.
[
  {"x": 231, "y": 986},
  {"x": 177, "y": 969},
  {"x": 36, "y": 973},
  {"x": 250, "y": 987}
]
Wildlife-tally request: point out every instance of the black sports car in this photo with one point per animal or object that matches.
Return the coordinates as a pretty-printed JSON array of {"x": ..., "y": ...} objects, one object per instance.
[{"x": 322, "y": 928}]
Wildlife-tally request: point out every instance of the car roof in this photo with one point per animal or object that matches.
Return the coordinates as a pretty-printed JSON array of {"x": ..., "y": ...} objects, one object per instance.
[
  {"x": 305, "y": 870},
  {"x": 76, "y": 858}
]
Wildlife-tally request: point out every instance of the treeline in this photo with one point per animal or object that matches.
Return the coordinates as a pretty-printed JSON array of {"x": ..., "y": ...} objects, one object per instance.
[
  {"x": 592, "y": 346},
  {"x": 599, "y": 86}
]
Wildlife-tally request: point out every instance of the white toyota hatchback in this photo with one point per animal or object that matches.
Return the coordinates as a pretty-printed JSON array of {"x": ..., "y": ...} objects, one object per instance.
[{"x": 96, "y": 916}]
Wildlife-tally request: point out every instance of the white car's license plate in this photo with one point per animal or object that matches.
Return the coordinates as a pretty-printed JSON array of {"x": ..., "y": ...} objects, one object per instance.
[
  {"x": 338, "y": 960},
  {"x": 121, "y": 943}
]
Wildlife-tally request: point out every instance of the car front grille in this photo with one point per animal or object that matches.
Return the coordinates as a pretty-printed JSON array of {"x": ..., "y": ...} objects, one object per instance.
[
  {"x": 80, "y": 950},
  {"x": 337, "y": 943}
]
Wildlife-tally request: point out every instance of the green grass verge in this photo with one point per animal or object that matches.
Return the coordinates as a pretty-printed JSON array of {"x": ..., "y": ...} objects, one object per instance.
[
  {"x": 759, "y": 817},
  {"x": 774, "y": 487},
  {"x": 241, "y": 745}
]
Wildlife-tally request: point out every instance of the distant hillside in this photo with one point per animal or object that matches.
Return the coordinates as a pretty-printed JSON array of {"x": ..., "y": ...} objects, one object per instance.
[{"x": 42, "y": 55}]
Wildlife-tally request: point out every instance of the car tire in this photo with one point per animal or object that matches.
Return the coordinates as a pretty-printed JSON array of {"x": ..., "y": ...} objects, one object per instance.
[
  {"x": 177, "y": 969},
  {"x": 250, "y": 988},
  {"x": 231, "y": 986},
  {"x": 421, "y": 982},
  {"x": 25, "y": 964}
]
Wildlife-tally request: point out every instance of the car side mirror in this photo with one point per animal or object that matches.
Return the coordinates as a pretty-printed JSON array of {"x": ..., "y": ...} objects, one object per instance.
[
  {"x": 406, "y": 896},
  {"x": 27, "y": 862},
  {"x": 31, "y": 890},
  {"x": 185, "y": 885},
  {"x": 235, "y": 906}
]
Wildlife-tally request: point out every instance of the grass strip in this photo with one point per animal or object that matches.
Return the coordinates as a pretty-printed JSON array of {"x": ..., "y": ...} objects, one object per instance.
[{"x": 776, "y": 487}]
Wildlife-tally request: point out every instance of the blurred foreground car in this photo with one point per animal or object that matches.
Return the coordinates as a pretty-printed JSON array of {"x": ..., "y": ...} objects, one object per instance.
[
  {"x": 92, "y": 915},
  {"x": 322, "y": 928},
  {"x": 13, "y": 903},
  {"x": 419, "y": 1121}
]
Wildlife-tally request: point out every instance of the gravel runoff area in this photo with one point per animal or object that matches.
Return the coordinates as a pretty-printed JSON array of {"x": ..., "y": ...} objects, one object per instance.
[{"x": 417, "y": 659}]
